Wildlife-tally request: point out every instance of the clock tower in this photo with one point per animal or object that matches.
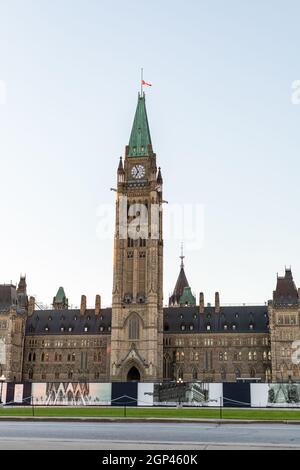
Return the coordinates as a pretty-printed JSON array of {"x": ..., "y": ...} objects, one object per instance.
[{"x": 137, "y": 304}]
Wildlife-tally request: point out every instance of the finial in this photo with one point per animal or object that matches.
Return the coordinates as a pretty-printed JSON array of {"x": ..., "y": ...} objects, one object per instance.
[{"x": 182, "y": 257}]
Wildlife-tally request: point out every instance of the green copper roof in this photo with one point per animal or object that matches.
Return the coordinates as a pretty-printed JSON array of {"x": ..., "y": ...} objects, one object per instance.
[
  {"x": 60, "y": 296},
  {"x": 187, "y": 297},
  {"x": 140, "y": 135}
]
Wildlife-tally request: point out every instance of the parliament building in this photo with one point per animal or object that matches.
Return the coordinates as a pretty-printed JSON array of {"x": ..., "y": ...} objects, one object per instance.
[{"x": 138, "y": 339}]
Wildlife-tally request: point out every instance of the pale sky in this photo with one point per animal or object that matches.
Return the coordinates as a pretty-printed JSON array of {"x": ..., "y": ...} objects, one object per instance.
[{"x": 223, "y": 126}]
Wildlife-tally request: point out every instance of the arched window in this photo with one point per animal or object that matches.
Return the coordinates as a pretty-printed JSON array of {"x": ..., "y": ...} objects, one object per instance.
[
  {"x": 134, "y": 328},
  {"x": 268, "y": 375},
  {"x": 30, "y": 374},
  {"x": 70, "y": 375},
  {"x": 265, "y": 356},
  {"x": 43, "y": 357},
  {"x": 252, "y": 373},
  {"x": 29, "y": 357},
  {"x": 195, "y": 374},
  {"x": 238, "y": 374}
]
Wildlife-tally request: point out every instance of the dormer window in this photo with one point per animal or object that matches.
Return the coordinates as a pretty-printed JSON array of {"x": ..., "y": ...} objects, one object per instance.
[
  {"x": 225, "y": 327},
  {"x": 86, "y": 329},
  {"x": 49, "y": 318},
  {"x": 182, "y": 327},
  {"x": 208, "y": 327},
  {"x": 234, "y": 327},
  {"x": 46, "y": 328}
]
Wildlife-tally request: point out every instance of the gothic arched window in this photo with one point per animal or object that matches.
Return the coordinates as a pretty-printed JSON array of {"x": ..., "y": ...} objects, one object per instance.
[{"x": 134, "y": 328}]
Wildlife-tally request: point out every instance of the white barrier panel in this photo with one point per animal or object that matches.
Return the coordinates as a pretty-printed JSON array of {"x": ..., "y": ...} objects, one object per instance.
[
  {"x": 72, "y": 394},
  {"x": 187, "y": 394},
  {"x": 145, "y": 394},
  {"x": 284, "y": 395},
  {"x": 215, "y": 395},
  {"x": 275, "y": 395},
  {"x": 18, "y": 395},
  {"x": 3, "y": 394},
  {"x": 259, "y": 395}
]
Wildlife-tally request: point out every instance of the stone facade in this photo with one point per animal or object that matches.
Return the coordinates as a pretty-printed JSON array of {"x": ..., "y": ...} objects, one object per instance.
[
  {"x": 284, "y": 313},
  {"x": 138, "y": 339},
  {"x": 12, "y": 333}
]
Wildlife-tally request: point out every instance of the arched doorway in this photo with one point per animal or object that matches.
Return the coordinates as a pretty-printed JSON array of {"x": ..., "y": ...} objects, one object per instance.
[{"x": 133, "y": 375}]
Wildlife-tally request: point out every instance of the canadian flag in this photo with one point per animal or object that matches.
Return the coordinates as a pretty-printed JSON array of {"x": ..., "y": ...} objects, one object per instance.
[{"x": 146, "y": 83}]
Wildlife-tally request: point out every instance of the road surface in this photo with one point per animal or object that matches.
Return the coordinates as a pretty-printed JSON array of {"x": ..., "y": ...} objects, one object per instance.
[{"x": 145, "y": 436}]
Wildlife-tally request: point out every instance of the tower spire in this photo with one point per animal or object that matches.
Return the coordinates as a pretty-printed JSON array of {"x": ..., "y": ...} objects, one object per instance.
[
  {"x": 182, "y": 257},
  {"x": 140, "y": 144}
]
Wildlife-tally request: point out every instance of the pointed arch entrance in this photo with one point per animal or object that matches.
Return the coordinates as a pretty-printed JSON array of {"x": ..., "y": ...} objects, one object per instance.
[{"x": 133, "y": 375}]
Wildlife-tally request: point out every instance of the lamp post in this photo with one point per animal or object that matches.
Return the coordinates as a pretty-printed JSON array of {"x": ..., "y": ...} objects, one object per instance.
[
  {"x": 179, "y": 382},
  {"x": 2, "y": 380}
]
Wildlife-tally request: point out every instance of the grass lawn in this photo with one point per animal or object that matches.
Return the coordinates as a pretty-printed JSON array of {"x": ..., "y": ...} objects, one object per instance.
[{"x": 152, "y": 413}]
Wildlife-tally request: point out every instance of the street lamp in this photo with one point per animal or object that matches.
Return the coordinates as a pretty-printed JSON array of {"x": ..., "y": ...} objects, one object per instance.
[
  {"x": 180, "y": 392},
  {"x": 2, "y": 380}
]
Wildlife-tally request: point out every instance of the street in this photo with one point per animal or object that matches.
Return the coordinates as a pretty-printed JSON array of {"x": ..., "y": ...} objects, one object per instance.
[{"x": 145, "y": 436}]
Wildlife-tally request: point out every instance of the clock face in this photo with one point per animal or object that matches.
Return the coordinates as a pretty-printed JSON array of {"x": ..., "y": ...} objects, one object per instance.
[{"x": 138, "y": 172}]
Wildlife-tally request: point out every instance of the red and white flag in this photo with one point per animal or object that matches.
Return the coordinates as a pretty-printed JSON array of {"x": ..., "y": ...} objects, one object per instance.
[{"x": 146, "y": 83}]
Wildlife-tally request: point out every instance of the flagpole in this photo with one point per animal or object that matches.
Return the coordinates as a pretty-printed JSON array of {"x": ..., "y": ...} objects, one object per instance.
[{"x": 142, "y": 78}]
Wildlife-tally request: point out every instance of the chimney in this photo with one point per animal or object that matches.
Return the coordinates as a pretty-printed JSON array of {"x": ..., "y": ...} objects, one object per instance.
[
  {"x": 201, "y": 303},
  {"x": 98, "y": 305},
  {"x": 31, "y": 306},
  {"x": 217, "y": 303},
  {"x": 83, "y": 305}
]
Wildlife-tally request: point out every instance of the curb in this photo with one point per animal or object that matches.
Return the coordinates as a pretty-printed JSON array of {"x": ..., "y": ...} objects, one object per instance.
[{"x": 145, "y": 420}]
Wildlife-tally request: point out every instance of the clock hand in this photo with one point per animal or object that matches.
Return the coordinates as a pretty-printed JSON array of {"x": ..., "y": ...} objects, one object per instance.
[{"x": 138, "y": 171}]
